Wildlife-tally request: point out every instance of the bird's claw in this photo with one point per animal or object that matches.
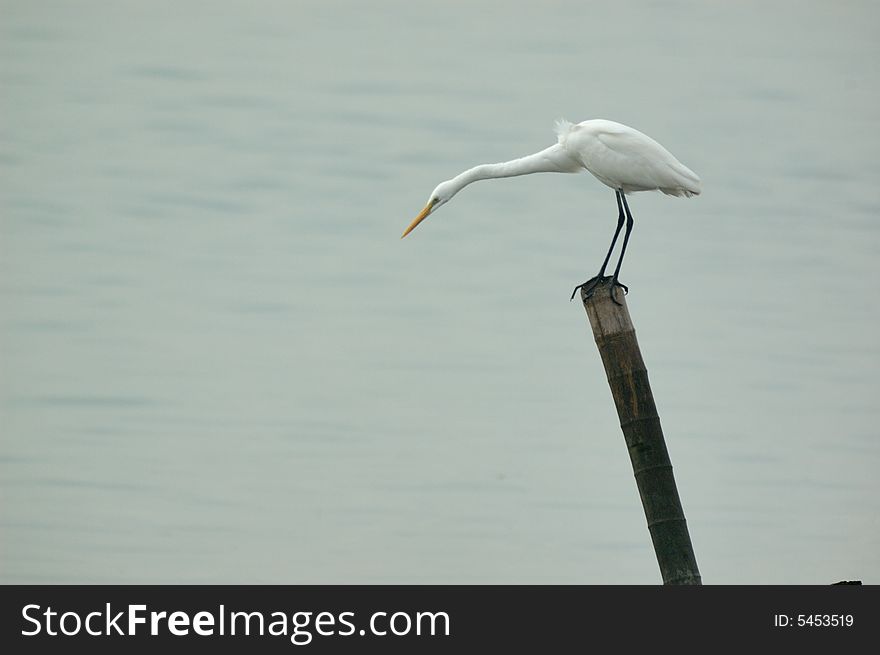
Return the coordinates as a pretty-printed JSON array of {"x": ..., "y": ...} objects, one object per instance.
[
  {"x": 614, "y": 285},
  {"x": 588, "y": 287}
]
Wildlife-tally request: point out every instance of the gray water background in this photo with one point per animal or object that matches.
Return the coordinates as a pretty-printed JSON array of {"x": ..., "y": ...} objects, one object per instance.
[{"x": 219, "y": 363}]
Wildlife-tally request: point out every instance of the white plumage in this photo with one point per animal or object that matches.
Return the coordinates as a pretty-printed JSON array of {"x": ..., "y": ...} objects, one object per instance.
[
  {"x": 617, "y": 155},
  {"x": 626, "y": 159}
]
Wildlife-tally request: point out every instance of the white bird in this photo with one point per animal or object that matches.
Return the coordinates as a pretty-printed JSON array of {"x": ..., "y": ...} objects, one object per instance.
[{"x": 617, "y": 155}]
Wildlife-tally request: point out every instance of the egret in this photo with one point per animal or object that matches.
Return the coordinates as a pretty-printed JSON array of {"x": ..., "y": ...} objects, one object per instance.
[{"x": 617, "y": 155}]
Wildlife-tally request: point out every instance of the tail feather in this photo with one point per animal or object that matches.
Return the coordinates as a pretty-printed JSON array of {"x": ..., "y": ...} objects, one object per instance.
[{"x": 688, "y": 183}]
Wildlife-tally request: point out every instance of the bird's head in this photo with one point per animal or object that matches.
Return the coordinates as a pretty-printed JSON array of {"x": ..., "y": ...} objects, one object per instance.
[{"x": 439, "y": 197}]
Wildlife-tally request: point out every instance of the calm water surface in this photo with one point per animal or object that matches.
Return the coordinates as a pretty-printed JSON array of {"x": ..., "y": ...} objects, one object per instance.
[{"x": 218, "y": 362}]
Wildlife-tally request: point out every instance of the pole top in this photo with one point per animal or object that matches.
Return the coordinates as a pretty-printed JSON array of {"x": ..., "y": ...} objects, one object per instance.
[{"x": 607, "y": 318}]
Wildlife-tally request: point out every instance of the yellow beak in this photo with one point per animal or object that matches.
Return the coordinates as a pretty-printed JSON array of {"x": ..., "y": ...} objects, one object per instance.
[{"x": 422, "y": 216}]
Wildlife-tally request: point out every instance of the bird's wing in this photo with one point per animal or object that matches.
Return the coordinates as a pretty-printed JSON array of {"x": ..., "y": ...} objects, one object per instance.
[{"x": 624, "y": 158}]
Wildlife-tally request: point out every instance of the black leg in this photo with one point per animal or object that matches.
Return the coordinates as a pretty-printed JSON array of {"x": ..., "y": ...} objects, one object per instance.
[
  {"x": 593, "y": 281},
  {"x": 629, "y": 227},
  {"x": 617, "y": 195}
]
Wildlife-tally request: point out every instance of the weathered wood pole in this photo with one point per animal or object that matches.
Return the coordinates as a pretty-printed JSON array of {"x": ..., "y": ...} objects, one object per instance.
[{"x": 628, "y": 379}]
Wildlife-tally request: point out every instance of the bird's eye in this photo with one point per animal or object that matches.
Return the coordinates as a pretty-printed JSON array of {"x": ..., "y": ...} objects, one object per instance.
[{"x": 434, "y": 201}]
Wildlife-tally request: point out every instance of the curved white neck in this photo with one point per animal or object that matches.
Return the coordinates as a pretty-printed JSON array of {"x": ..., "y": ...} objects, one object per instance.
[{"x": 549, "y": 160}]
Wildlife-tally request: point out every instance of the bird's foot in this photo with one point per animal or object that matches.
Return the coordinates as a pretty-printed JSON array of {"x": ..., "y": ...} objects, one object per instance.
[
  {"x": 613, "y": 287},
  {"x": 588, "y": 288}
]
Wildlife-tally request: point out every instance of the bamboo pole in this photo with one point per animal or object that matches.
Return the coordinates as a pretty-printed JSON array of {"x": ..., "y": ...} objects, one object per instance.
[{"x": 628, "y": 379}]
